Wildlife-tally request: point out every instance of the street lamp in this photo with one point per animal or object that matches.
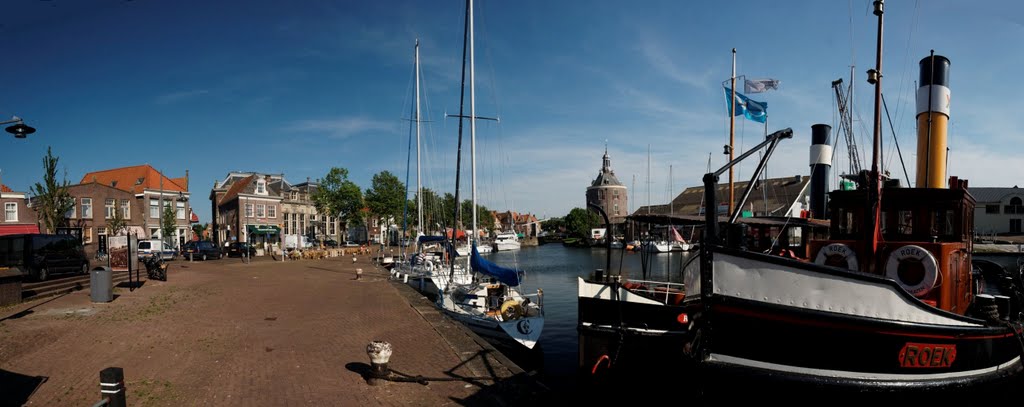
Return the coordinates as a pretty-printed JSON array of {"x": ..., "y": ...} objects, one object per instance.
[{"x": 20, "y": 129}]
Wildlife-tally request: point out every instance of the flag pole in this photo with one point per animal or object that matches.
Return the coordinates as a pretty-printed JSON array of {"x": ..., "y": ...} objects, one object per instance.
[{"x": 732, "y": 126}]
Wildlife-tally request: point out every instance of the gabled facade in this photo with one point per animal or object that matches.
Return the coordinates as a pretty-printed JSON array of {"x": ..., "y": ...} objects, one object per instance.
[
  {"x": 18, "y": 217},
  {"x": 525, "y": 224},
  {"x": 246, "y": 206},
  {"x": 1000, "y": 211},
  {"x": 147, "y": 189}
]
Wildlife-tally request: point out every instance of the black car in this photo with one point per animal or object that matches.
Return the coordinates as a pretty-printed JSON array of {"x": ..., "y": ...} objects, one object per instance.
[
  {"x": 237, "y": 249},
  {"x": 201, "y": 250},
  {"x": 43, "y": 255},
  {"x": 331, "y": 243}
]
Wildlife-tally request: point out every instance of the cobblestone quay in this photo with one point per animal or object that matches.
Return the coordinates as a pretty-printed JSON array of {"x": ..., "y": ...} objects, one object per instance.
[{"x": 265, "y": 333}]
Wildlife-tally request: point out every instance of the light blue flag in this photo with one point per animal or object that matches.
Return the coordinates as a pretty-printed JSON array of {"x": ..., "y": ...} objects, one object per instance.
[{"x": 752, "y": 109}]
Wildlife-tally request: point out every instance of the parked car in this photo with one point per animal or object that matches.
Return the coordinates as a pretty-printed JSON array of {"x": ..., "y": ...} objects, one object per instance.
[
  {"x": 331, "y": 243},
  {"x": 237, "y": 249},
  {"x": 156, "y": 246},
  {"x": 43, "y": 255},
  {"x": 201, "y": 250},
  {"x": 349, "y": 243}
]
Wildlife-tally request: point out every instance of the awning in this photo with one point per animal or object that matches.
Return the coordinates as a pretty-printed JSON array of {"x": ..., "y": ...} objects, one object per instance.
[
  {"x": 18, "y": 229},
  {"x": 192, "y": 216},
  {"x": 263, "y": 229}
]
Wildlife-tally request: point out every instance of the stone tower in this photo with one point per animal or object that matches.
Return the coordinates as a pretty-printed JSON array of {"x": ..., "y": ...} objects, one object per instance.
[{"x": 607, "y": 192}]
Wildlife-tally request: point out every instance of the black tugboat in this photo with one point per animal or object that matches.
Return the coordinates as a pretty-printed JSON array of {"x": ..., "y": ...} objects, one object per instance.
[{"x": 891, "y": 303}]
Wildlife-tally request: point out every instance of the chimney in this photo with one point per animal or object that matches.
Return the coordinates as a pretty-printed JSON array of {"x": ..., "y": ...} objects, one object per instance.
[
  {"x": 932, "y": 120},
  {"x": 821, "y": 162}
]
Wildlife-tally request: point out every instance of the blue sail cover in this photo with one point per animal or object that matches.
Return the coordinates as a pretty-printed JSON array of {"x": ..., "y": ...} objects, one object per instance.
[
  {"x": 503, "y": 274},
  {"x": 431, "y": 239}
]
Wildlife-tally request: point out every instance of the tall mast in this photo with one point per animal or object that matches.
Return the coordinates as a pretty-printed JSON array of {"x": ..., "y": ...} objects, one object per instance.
[
  {"x": 732, "y": 127},
  {"x": 648, "y": 179},
  {"x": 875, "y": 192},
  {"x": 419, "y": 188},
  {"x": 472, "y": 117}
]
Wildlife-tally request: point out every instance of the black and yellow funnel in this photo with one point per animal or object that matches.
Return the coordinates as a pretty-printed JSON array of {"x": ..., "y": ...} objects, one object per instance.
[{"x": 932, "y": 121}]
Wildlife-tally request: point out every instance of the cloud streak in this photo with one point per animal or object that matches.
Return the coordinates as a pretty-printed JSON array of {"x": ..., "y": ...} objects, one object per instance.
[
  {"x": 341, "y": 128},
  {"x": 179, "y": 96}
]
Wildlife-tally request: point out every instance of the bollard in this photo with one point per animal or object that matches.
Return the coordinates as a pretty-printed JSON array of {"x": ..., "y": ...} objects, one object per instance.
[
  {"x": 405, "y": 278},
  {"x": 190, "y": 257},
  {"x": 353, "y": 258},
  {"x": 112, "y": 386},
  {"x": 379, "y": 352},
  {"x": 359, "y": 274}
]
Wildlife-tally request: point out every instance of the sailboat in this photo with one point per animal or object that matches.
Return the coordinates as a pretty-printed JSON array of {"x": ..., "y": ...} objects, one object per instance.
[
  {"x": 892, "y": 301},
  {"x": 494, "y": 307},
  {"x": 426, "y": 269}
]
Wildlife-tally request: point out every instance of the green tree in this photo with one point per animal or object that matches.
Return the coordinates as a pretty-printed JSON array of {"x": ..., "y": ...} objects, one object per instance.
[
  {"x": 117, "y": 224},
  {"x": 51, "y": 198},
  {"x": 484, "y": 217},
  {"x": 386, "y": 198},
  {"x": 433, "y": 211},
  {"x": 554, "y": 225},
  {"x": 198, "y": 229},
  {"x": 579, "y": 221},
  {"x": 167, "y": 223},
  {"x": 338, "y": 196}
]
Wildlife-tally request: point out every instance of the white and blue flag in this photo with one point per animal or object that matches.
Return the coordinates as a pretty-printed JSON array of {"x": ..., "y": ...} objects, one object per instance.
[{"x": 752, "y": 109}]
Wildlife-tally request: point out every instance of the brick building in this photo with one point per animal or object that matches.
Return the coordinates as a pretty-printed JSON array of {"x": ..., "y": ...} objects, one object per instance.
[
  {"x": 18, "y": 217},
  {"x": 607, "y": 192}
]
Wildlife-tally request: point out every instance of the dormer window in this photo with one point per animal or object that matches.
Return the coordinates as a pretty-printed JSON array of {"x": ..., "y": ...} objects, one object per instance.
[{"x": 261, "y": 187}]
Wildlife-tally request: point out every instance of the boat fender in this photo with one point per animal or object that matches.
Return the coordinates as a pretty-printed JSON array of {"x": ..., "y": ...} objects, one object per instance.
[
  {"x": 829, "y": 255},
  {"x": 910, "y": 255},
  {"x": 511, "y": 310}
]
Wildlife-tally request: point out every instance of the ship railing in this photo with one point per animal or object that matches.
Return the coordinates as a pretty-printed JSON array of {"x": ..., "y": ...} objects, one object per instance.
[{"x": 658, "y": 290}]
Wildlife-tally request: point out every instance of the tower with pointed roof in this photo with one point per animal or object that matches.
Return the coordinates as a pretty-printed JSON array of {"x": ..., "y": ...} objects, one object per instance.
[{"x": 607, "y": 192}]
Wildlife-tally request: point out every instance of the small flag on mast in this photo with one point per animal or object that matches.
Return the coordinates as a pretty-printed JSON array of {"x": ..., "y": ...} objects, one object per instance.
[
  {"x": 760, "y": 85},
  {"x": 750, "y": 108}
]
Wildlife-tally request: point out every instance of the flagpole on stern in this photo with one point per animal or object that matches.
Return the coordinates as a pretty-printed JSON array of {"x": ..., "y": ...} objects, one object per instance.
[{"x": 732, "y": 127}]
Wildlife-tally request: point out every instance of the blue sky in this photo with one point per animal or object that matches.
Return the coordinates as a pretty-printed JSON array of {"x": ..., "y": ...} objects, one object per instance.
[{"x": 298, "y": 87}]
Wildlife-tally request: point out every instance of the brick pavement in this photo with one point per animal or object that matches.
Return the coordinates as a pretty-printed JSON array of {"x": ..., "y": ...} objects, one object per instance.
[{"x": 266, "y": 333}]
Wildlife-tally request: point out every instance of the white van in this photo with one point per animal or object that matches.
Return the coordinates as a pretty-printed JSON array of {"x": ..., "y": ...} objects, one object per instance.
[{"x": 155, "y": 246}]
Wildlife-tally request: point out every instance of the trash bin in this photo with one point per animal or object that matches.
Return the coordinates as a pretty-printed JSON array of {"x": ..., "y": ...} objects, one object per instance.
[{"x": 101, "y": 285}]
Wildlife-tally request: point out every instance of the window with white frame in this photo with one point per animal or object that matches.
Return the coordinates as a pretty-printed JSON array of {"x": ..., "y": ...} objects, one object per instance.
[
  {"x": 86, "y": 208},
  {"x": 261, "y": 187},
  {"x": 271, "y": 211},
  {"x": 261, "y": 210},
  {"x": 331, "y": 225},
  {"x": 154, "y": 209},
  {"x": 285, "y": 216},
  {"x": 126, "y": 209},
  {"x": 108, "y": 204},
  {"x": 101, "y": 231},
  {"x": 70, "y": 214},
  {"x": 248, "y": 210},
  {"x": 179, "y": 211},
  {"x": 154, "y": 233},
  {"x": 10, "y": 212}
]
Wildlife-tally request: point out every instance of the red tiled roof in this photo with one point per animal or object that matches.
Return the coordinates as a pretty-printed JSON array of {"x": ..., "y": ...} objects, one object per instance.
[
  {"x": 4, "y": 188},
  {"x": 135, "y": 179}
]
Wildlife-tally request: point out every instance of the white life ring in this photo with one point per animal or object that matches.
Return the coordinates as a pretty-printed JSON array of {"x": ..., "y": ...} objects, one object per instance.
[
  {"x": 841, "y": 250},
  {"x": 917, "y": 254},
  {"x": 429, "y": 265}
]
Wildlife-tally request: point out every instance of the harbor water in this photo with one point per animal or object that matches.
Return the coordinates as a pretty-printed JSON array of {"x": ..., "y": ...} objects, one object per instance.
[{"x": 555, "y": 268}]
